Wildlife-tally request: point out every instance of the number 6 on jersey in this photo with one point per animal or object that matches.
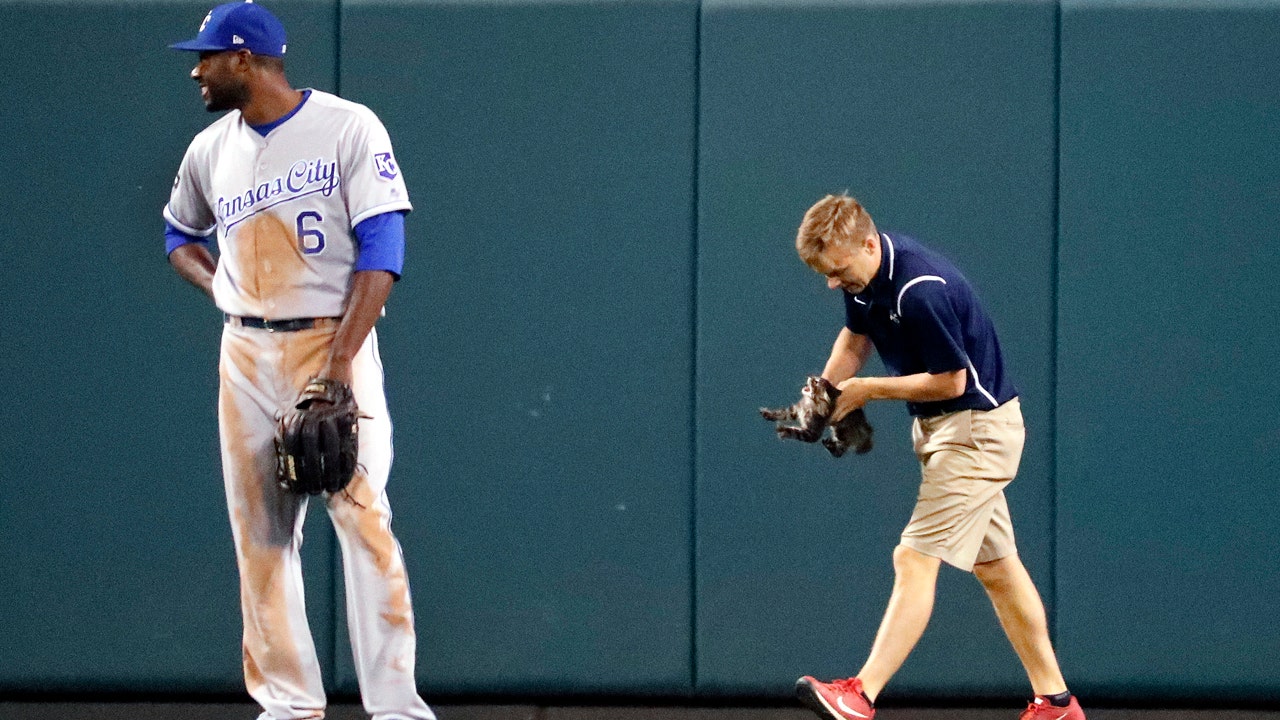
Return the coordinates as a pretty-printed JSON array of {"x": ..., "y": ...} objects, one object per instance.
[{"x": 310, "y": 240}]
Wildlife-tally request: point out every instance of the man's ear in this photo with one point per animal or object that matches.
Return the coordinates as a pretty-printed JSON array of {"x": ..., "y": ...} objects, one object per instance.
[{"x": 243, "y": 61}]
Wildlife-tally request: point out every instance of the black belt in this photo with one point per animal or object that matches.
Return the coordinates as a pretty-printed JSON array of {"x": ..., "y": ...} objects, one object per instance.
[{"x": 291, "y": 325}]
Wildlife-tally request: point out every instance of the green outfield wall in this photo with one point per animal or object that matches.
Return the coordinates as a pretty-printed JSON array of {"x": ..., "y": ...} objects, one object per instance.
[{"x": 601, "y": 290}]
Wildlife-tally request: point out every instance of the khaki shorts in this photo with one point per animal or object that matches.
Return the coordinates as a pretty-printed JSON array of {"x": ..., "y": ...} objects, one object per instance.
[{"x": 966, "y": 460}]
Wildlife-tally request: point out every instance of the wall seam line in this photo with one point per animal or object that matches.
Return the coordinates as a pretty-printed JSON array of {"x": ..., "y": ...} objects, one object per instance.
[
  {"x": 1054, "y": 290},
  {"x": 696, "y": 180}
]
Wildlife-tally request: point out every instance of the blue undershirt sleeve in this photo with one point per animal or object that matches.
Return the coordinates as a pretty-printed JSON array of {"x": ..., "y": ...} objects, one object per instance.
[
  {"x": 175, "y": 238},
  {"x": 380, "y": 243}
]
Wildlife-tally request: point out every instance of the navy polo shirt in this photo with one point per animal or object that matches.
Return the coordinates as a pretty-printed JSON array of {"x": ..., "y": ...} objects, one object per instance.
[{"x": 924, "y": 317}]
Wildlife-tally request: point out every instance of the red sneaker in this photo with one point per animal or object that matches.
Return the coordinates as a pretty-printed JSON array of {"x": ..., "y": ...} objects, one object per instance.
[
  {"x": 836, "y": 700},
  {"x": 1041, "y": 709}
]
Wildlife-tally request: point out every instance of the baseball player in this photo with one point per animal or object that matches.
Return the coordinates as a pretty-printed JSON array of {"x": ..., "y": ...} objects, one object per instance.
[
  {"x": 940, "y": 349},
  {"x": 304, "y": 195}
]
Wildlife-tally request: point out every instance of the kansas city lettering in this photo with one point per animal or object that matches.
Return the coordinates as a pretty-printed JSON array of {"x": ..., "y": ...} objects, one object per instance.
[{"x": 304, "y": 177}]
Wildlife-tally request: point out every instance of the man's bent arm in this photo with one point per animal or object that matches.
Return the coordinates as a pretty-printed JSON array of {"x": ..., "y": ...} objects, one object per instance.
[
  {"x": 369, "y": 292},
  {"x": 195, "y": 264},
  {"x": 920, "y": 387},
  {"x": 848, "y": 355}
]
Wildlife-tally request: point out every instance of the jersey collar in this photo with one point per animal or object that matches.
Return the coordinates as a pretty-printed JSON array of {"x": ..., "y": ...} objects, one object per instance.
[
  {"x": 263, "y": 130},
  {"x": 881, "y": 286}
]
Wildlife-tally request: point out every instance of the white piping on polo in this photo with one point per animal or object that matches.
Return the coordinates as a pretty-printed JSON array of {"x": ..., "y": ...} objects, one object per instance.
[
  {"x": 920, "y": 279},
  {"x": 886, "y": 239},
  {"x": 978, "y": 383},
  {"x": 972, "y": 370},
  {"x": 855, "y": 299}
]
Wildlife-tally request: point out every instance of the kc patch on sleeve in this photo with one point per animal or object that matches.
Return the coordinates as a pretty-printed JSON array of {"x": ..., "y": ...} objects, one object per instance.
[{"x": 386, "y": 165}]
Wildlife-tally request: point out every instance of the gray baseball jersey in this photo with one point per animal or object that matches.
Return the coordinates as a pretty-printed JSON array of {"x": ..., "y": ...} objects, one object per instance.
[{"x": 284, "y": 205}]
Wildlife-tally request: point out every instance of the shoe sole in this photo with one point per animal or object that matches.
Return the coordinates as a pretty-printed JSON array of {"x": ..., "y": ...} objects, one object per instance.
[{"x": 815, "y": 702}]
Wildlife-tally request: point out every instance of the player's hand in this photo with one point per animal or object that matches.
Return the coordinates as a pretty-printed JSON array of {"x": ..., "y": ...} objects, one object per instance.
[
  {"x": 854, "y": 393},
  {"x": 337, "y": 369}
]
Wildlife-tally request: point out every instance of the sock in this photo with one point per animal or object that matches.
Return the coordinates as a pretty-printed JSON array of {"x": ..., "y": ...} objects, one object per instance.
[{"x": 1062, "y": 699}]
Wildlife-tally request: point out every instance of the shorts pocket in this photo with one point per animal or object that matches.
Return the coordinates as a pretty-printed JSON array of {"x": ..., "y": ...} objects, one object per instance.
[
  {"x": 948, "y": 431},
  {"x": 1001, "y": 437}
]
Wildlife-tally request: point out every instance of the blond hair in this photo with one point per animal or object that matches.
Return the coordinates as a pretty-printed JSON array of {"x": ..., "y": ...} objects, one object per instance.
[{"x": 833, "y": 221}]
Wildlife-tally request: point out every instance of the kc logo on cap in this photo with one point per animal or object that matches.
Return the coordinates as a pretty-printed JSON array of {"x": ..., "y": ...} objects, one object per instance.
[{"x": 237, "y": 25}]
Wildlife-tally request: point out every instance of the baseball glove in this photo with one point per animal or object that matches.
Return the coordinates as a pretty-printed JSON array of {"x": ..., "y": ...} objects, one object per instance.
[
  {"x": 317, "y": 441},
  {"x": 811, "y": 413}
]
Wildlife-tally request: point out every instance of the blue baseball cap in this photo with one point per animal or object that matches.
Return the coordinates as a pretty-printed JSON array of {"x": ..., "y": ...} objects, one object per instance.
[{"x": 235, "y": 26}]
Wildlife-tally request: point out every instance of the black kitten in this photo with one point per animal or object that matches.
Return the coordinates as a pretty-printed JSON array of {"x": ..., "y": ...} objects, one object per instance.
[{"x": 812, "y": 414}]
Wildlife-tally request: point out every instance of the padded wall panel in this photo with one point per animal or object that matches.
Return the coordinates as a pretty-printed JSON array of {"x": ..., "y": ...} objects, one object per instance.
[
  {"x": 538, "y": 350},
  {"x": 119, "y": 568},
  {"x": 1168, "y": 433},
  {"x": 940, "y": 117}
]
